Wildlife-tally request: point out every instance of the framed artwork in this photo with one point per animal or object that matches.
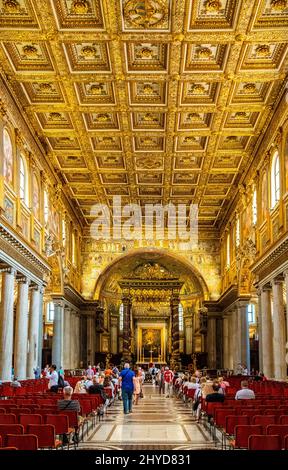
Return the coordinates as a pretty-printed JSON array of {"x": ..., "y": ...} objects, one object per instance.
[
  {"x": 8, "y": 158},
  {"x": 9, "y": 210}
]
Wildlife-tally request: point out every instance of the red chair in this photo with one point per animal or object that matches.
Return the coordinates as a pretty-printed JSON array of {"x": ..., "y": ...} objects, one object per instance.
[
  {"x": 260, "y": 442},
  {"x": 279, "y": 429},
  {"x": 21, "y": 411},
  {"x": 45, "y": 434},
  {"x": 10, "y": 429},
  {"x": 2, "y": 411},
  {"x": 61, "y": 424},
  {"x": 22, "y": 442},
  {"x": 264, "y": 420},
  {"x": 8, "y": 419},
  {"x": 29, "y": 419},
  {"x": 286, "y": 442},
  {"x": 73, "y": 423},
  {"x": 9, "y": 448},
  {"x": 242, "y": 434},
  {"x": 283, "y": 419}
]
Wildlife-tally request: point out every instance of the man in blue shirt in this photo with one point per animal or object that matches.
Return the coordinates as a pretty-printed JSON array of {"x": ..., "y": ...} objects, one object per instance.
[{"x": 127, "y": 379}]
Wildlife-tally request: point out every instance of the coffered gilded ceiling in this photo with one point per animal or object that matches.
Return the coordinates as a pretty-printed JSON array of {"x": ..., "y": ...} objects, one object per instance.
[{"x": 153, "y": 100}]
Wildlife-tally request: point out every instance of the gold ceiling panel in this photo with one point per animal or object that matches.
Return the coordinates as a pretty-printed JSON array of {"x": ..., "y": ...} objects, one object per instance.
[
  {"x": 78, "y": 15},
  {"x": 95, "y": 93},
  {"x": 18, "y": 14},
  {"x": 153, "y": 100}
]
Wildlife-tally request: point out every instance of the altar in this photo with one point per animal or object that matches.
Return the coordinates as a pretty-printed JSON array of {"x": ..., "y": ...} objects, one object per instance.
[{"x": 151, "y": 343}]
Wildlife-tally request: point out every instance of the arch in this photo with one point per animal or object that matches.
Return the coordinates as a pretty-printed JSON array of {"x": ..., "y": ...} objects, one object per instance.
[{"x": 142, "y": 251}]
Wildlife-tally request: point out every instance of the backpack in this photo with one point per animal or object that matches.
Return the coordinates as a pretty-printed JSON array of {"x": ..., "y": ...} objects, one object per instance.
[{"x": 61, "y": 382}]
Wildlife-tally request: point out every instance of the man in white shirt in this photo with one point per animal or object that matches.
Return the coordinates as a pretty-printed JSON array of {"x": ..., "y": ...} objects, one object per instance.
[
  {"x": 245, "y": 393},
  {"x": 53, "y": 379}
]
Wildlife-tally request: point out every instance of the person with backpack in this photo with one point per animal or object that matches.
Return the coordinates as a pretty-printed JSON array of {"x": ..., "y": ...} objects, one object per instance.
[
  {"x": 53, "y": 379},
  {"x": 127, "y": 380}
]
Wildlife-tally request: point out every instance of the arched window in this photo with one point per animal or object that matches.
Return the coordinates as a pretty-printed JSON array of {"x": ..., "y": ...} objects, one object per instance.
[
  {"x": 50, "y": 312},
  {"x": 180, "y": 315},
  {"x": 121, "y": 317},
  {"x": 8, "y": 158},
  {"x": 36, "y": 197},
  {"x": 275, "y": 179},
  {"x": 237, "y": 238},
  {"x": 251, "y": 313},
  {"x": 228, "y": 250},
  {"x": 46, "y": 207},
  {"x": 254, "y": 207},
  {"x": 23, "y": 181}
]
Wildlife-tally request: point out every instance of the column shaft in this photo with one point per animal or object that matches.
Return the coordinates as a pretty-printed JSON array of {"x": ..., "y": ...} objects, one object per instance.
[
  {"x": 57, "y": 341},
  {"x": 126, "y": 329},
  {"x": 33, "y": 332},
  {"x": 175, "y": 328},
  {"x": 21, "y": 331},
  {"x": 244, "y": 342},
  {"x": 67, "y": 339},
  {"x": 91, "y": 339},
  {"x": 279, "y": 331},
  {"x": 266, "y": 333},
  {"x": 286, "y": 285},
  {"x": 188, "y": 335},
  {"x": 40, "y": 336},
  {"x": 231, "y": 341},
  {"x": 226, "y": 343},
  {"x": 6, "y": 325},
  {"x": 211, "y": 343}
]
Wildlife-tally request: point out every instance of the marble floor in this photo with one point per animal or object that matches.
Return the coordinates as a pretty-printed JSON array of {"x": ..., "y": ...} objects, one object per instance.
[{"x": 156, "y": 423}]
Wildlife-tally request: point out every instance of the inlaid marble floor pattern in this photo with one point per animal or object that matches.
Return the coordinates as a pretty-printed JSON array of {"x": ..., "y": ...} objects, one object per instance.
[{"x": 156, "y": 423}]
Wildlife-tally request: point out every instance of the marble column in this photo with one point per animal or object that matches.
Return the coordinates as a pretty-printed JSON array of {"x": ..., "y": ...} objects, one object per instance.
[
  {"x": 231, "y": 341},
  {"x": 259, "y": 330},
  {"x": 73, "y": 339},
  {"x": 175, "y": 328},
  {"x": 211, "y": 343},
  {"x": 91, "y": 331},
  {"x": 267, "y": 332},
  {"x": 114, "y": 334},
  {"x": 57, "y": 340},
  {"x": 33, "y": 331},
  {"x": 279, "y": 327},
  {"x": 126, "y": 328},
  {"x": 77, "y": 341},
  {"x": 286, "y": 285},
  {"x": 21, "y": 330},
  {"x": 6, "y": 324},
  {"x": 244, "y": 335},
  {"x": 41, "y": 334},
  {"x": 226, "y": 363},
  {"x": 67, "y": 339},
  {"x": 236, "y": 338},
  {"x": 188, "y": 335}
]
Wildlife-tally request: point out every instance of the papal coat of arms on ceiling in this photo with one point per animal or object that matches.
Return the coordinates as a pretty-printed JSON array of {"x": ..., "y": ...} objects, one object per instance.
[{"x": 146, "y": 14}]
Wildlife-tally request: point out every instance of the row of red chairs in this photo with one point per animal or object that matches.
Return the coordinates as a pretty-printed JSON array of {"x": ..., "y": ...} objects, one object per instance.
[{"x": 244, "y": 432}]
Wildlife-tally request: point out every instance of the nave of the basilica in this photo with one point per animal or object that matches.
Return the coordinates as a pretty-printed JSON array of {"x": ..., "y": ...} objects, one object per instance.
[{"x": 144, "y": 204}]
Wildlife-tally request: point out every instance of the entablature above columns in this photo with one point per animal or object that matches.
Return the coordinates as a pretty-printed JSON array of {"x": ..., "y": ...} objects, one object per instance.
[
  {"x": 273, "y": 263},
  {"x": 17, "y": 254}
]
